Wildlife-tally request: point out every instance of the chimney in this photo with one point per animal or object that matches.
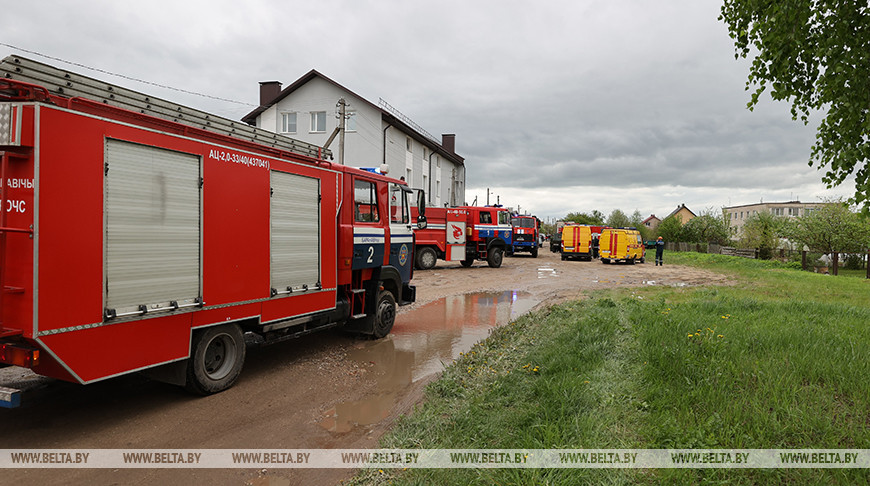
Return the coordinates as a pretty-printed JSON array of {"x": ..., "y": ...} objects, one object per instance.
[
  {"x": 269, "y": 90},
  {"x": 448, "y": 142}
]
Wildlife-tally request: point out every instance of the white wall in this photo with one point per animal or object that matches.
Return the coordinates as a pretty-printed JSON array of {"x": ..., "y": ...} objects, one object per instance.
[{"x": 364, "y": 147}]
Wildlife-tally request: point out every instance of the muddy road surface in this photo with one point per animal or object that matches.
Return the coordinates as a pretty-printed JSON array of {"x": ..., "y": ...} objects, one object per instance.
[{"x": 327, "y": 390}]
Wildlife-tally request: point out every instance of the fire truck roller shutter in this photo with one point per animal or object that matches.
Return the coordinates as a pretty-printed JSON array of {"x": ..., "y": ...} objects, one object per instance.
[
  {"x": 295, "y": 240},
  {"x": 153, "y": 228}
]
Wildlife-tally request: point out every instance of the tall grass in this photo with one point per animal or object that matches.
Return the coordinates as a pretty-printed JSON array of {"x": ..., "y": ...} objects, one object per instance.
[{"x": 779, "y": 360}]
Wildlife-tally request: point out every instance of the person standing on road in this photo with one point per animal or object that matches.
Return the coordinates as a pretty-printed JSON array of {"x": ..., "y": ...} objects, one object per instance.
[{"x": 660, "y": 250}]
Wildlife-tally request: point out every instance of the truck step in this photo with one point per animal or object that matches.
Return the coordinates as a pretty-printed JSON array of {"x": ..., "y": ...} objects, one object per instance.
[
  {"x": 357, "y": 291},
  {"x": 358, "y": 316},
  {"x": 9, "y": 397}
]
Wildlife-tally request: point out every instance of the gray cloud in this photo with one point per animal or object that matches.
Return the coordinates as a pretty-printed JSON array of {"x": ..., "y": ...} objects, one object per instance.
[{"x": 547, "y": 100}]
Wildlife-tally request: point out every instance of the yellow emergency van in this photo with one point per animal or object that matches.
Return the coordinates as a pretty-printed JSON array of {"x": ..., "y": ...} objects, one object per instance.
[
  {"x": 621, "y": 244},
  {"x": 577, "y": 242}
]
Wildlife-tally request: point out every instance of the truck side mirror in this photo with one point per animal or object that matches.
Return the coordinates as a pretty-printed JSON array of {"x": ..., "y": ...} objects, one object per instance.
[{"x": 421, "y": 209}]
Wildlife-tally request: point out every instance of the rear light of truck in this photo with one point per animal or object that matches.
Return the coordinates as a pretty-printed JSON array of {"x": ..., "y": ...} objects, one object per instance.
[{"x": 17, "y": 355}]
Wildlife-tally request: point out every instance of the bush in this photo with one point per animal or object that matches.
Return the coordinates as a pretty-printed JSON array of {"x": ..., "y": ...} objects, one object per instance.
[{"x": 853, "y": 262}]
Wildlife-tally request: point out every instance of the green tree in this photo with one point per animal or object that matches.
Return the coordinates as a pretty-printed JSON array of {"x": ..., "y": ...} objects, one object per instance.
[
  {"x": 596, "y": 218},
  {"x": 814, "y": 54},
  {"x": 671, "y": 228},
  {"x": 618, "y": 219},
  {"x": 831, "y": 229},
  {"x": 762, "y": 231},
  {"x": 708, "y": 227}
]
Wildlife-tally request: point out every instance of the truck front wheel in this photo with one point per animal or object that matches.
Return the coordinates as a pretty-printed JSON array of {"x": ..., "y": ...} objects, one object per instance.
[
  {"x": 535, "y": 252},
  {"x": 496, "y": 255},
  {"x": 426, "y": 258},
  {"x": 467, "y": 262},
  {"x": 385, "y": 314},
  {"x": 216, "y": 358}
]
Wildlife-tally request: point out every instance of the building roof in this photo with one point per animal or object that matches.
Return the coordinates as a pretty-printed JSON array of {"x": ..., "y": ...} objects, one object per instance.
[
  {"x": 652, "y": 217},
  {"x": 679, "y": 208},
  {"x": 774, "y": 204},
  {"x": 389, "y": 117}
]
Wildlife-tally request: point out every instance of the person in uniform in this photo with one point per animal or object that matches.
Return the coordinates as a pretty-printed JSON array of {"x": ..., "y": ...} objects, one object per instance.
[{"x": 660, "y": 250}]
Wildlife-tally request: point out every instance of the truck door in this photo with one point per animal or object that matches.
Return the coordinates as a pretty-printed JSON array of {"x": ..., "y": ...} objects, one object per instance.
[
  {"x": 401, "y": 233},
  {"x": 368, "y": 229}
]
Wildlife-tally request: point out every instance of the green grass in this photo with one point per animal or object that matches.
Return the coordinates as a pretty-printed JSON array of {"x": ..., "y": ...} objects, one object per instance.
[{"x": 777, "y": 360}]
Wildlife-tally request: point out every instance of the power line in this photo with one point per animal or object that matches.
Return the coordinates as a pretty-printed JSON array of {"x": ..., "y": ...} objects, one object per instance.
[{"x": 125, "y": 77}]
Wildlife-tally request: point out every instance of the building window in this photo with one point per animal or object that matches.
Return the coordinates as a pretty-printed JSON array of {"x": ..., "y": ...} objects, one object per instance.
[
  {"x": 288, "y": 122},
  {"x": 408, "y": 176},
  {"x": 425, "y": 153},
  {"x": 793, "y": 212},
  {"x": 409, "y": 146},
  {"x": 350, "y": 122},
  {"x": 776, "y": 211},
  {"x": 365, "y": 199},
  {"x": 318, "y": 121}
]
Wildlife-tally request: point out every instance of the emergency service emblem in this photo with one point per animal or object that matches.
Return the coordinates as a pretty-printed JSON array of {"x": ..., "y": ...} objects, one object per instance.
[{"x": 403, "y": 254}]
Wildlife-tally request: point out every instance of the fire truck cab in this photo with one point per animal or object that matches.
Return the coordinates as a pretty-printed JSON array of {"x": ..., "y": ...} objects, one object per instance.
[
  {"x": 489, "y": 235},
  {"x": 525, "y": 234}
]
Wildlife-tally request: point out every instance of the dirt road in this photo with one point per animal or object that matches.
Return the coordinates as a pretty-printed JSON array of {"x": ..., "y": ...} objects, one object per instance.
[{"x": 326, "y": 390}]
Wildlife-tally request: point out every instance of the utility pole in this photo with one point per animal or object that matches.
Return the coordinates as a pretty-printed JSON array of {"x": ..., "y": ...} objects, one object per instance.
[
  {"x": 339, "y": 130},
  {"x": 487, "y": 196},
  {"x": 342, "y": 120}
]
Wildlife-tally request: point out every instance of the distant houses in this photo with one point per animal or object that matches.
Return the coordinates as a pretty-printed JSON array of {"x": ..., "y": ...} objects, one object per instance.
[
  {"x": 683, "y": 213},
  {"x": 737, "y": 215}
]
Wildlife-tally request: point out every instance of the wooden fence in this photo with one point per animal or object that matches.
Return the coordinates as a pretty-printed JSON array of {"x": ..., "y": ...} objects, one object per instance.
[{"x": 776, "y": 254}]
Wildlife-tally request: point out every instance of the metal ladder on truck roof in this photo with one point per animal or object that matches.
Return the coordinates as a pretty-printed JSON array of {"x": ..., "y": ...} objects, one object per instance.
[{"x": 69, "y": 84}]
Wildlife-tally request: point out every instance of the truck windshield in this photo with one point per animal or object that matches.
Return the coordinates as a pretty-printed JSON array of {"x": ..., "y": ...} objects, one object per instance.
[{"x": 523, "y": 222}]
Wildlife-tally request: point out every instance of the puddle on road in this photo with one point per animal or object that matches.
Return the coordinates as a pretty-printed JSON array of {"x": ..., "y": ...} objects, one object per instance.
[
  {"x": 547, "y": 272},
  {"x": 421, "y": 344}
]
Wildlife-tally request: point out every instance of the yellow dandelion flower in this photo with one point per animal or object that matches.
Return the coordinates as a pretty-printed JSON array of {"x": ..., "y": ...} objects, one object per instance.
[
  {"x": 690, "y": 334},
  {"x": 721, "y": 336},
  {"x": 698, "y": 334}
]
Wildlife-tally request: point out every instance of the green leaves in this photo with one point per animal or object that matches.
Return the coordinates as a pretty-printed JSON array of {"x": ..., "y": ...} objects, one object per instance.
[{"x": 816, "y": 55}]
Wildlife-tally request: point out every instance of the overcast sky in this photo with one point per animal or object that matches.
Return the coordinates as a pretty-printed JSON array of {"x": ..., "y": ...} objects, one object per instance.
[{"x": 557, "y": 106}]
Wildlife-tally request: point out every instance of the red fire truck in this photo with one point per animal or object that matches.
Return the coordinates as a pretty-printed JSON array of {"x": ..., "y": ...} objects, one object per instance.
[
  {"x": 141, "y": 235},
  {"x": 443, "y": 237},
  {"x": 489, "y": 234},
  {"x": 525, "y": 234}
]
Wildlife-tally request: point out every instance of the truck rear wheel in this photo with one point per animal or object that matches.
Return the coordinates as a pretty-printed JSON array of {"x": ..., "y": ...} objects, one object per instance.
[
  {"x": 496, "y": 255},
  {"x": 216, "y": 358},
  {"x": 534, "y": 253},
  {"x": 426, "y": 258},
  {"x": 385, "y": 314}
]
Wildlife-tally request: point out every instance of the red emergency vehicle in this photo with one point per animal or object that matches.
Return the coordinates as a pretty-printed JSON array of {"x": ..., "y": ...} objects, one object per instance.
[
  {"x": 141, "y": 235},
  {"x": 443, "y": 237},
  {"x": 525, "y": 234},
  {"x": 489, "y": 234}
]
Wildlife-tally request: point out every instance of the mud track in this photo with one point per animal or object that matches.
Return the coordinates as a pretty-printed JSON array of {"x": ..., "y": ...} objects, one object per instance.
[{"x": 293, "y": 395}]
